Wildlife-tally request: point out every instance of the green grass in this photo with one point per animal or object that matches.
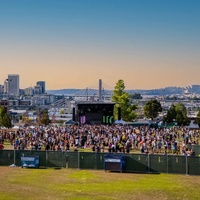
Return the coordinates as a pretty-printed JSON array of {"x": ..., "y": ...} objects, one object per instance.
[{"x": 72, "y": 184}]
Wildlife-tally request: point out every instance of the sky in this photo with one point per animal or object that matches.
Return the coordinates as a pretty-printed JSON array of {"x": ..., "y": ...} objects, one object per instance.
[{"x": 148, "y": 44}]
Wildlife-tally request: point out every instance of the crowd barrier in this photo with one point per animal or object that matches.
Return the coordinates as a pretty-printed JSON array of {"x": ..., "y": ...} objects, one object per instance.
[{"x": 142, "y": 163}]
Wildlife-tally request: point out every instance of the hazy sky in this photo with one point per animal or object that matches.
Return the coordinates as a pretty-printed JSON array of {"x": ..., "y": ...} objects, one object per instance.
[{"x": 74, "y": 43}]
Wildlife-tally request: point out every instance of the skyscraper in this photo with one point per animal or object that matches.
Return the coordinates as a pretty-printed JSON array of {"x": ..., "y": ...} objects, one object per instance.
[
  {"x": 42, "y": 84},
  {"x": 37, "y": 89},
  {"x": 1, "y": 89},
  {"x": 195, "y": 89},
  {"x": 13, "y": 84},
  {"x": 5, "y": 87}
]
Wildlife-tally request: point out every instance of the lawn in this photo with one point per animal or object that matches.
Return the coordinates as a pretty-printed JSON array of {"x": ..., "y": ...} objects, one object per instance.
[{"x": 72, "y": 184}]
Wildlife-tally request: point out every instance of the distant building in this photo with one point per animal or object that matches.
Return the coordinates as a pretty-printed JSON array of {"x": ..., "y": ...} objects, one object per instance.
[
  {"x": 5, "y": 88},
  {"x": 4, "y": 102},
  {"x": 42, "y": 84},
  {"x": 13, "y": 84},
  {"x": 37, "y": 90},
  {"x": 195, "y": 89},
  {"x": 21, "y": 92},
  {"x": 50, "y": 98},
  {"x": 24, "y": 103},
  {"x": 39, "y": 101},
  {"x": 29, "y": 91},
  {"x": 1, "y": 89}
]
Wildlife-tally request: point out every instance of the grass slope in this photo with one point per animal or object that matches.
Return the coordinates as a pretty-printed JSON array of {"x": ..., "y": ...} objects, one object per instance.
[{"x": 17, "y": 183}]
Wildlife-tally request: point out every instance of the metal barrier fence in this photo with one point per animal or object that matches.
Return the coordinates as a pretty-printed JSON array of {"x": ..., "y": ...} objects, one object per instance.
[
  {"x": 196, "y": 149},
  {"x": 47, "y": 158},
  {"x": 143, "y": 163}
]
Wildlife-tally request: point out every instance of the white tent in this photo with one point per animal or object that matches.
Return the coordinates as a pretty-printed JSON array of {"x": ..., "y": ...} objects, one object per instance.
[
  {"x": 16, "y": 127},
  {"x": 192, "y": 125},
  {"x": 70, "y": 122},
  {"x": 2, "y": 127},
  {"x": 120, "y": 121}
]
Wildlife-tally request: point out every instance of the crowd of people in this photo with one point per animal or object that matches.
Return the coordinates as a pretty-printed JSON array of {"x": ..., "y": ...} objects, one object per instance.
[{"x": 103, "y": 138}]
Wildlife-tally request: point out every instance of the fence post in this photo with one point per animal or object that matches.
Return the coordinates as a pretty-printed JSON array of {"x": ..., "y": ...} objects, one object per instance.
[
  {"x": 14, "y": 157},
  {"x": 46, "y": 158},
  {"x": 167, "y": 163},
  {"x": 78, "y": 160},
  {"x": 186, "y": 163},
  {"x": 96, "y": 160},
  {"x": 64, "y": 159},
  {"x": 148, "y": 157}
]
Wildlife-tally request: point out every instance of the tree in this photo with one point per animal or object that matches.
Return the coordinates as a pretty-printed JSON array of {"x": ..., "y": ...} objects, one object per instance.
[
  {"x": 178, "y": 113},
  {"x": 122, "y": 100},
  {"x": 197, "y": 119},
  {"x": 181, "y": 115},
  {"x": 136, "y": 96},
  {"x": 44, "y": 117},
  {"x": 152, "y": 108},
  {"x": 171, "y": 114},
  {"x": 4, "y": 118},
  {"x": 26, "y": 120},
  {"x": 53, "y": 118},
  {"x": 62, "y": 111}
]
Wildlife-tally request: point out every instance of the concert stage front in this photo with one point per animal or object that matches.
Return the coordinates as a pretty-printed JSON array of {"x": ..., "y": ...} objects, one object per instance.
[{"x": 94, "y": 112}]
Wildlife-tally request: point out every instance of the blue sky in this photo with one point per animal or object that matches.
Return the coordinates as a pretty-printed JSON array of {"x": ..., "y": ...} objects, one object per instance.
[{"x": 73, "y": 43}]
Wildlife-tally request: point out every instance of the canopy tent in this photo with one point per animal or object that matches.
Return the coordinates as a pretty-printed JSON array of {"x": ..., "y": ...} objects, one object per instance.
[
  {"x": 2, "y": 127},
  {"x": 70, "y": 122},
  {"x": 120, "y": 121},
  {"x": 16, "y": 127}
]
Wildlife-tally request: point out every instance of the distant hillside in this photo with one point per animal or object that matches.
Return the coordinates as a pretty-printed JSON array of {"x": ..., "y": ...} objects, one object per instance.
[
  {"x": 161, "y": 91},
  {"x": 63, "y": 91},
  {"x": 78, "y": 92}
]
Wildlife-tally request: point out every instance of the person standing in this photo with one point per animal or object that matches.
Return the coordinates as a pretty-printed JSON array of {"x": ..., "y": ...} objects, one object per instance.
[{"x": 1, "y": 146}]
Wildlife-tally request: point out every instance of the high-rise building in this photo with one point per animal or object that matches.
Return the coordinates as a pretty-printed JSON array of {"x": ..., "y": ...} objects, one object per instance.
[
  {"x": 42, "y": 84},
  {"x": 13, "y": 84},
  {"x": 1, "y": 89},
  {"x": 29, "y": 91},
  {"x": 195, "y": 89},
  {"x": 5, "y": 88},
  {"x": 37, "y": 89}
]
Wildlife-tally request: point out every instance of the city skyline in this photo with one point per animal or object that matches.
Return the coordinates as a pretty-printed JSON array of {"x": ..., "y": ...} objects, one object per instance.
[{"x": 74, "y": 43}]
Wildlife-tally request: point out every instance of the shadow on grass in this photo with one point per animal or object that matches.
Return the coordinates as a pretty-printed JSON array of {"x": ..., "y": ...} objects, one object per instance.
[
  {"x": 124, "y": 172},
  {"x": 58, "y": 168},
  {"x": 55, "y": 168},
  {"x": 34, "y": 167}
]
